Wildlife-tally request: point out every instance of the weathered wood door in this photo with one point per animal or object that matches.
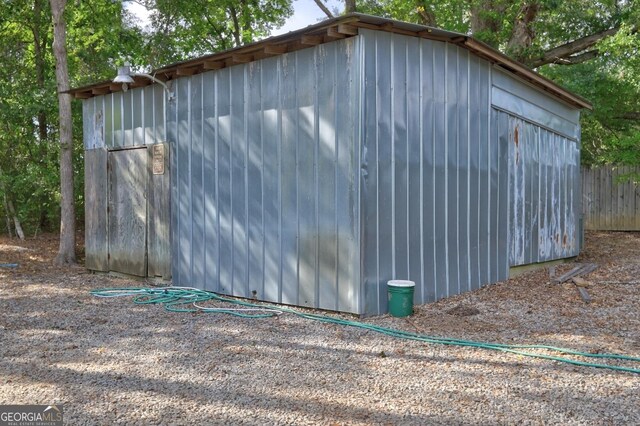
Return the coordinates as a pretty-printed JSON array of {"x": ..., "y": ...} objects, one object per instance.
[{"x": 127, "y": 211}]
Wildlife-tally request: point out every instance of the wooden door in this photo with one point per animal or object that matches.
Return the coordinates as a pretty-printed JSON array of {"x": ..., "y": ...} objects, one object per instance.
[{"x": 127, "y": 211}]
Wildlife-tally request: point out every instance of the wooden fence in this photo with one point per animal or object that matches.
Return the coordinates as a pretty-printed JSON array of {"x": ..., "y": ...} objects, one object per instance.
[{"x": 610, "y": 203}]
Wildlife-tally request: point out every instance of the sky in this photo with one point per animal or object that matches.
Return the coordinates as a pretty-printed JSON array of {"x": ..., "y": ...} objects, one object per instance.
[{"x": 306, "y": 12}]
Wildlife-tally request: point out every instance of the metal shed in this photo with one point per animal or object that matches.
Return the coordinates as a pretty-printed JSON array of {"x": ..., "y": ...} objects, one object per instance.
[{"x": 311, "y": 168}]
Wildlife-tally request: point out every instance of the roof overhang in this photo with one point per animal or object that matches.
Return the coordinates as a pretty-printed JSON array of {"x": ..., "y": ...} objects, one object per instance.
[{"x": 330, "y": 30}]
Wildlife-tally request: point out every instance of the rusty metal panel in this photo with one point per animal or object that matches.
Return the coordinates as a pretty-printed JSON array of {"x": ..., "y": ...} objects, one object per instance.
[
  {"x": 127, "y": 211},
  {"x": 279, "y": 157},
  {"x": 611, "y": 199},
  {"x": 95, "y": 205},
  {"x": 544, "y": 207}
]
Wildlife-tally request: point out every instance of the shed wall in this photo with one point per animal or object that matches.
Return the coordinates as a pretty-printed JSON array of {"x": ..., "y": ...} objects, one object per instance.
[
  {"x": 314, "y": 177},
  {"x": 265, "y": 194},
  {"x": 113, "y": 122},
  {"x": 544, "y": 182},
  {"x": 124, "y": 119},
  {"x": 542, "y": 137},
  {"x": 434, "y": 192}
]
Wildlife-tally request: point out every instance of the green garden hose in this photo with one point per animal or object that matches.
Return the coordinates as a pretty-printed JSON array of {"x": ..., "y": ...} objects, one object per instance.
[{"x": 187, "y": 299}]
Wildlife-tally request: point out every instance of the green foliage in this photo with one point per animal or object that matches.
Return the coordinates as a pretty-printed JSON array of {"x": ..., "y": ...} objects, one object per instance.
[
  {"x": 97, "y": 34},
  {"x": 611, "y": 132},
  {"x": 100, "y": 36},
  {"x": 188, "y": 28}
]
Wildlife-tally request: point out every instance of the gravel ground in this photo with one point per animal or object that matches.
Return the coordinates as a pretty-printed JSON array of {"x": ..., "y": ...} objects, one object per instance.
[{"x": 111, "y": 362}]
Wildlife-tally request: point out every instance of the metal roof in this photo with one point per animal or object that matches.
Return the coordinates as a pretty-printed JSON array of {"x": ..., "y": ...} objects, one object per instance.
[{"x": 331, "y": 30}]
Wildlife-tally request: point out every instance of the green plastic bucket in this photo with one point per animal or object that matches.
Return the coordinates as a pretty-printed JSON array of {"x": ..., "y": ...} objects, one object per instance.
[{"x": 400, "y": 297}]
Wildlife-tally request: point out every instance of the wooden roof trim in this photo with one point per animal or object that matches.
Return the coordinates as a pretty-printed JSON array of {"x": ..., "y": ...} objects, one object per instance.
[
  {"x": 522, "y": 71},
  {"x": 333, "y": 29}
]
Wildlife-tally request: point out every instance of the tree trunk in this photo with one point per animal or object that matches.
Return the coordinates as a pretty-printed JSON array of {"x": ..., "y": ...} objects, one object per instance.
[
  {"x": 16, "y": 221},
  {"x": 349, "y": 6},
  {"x": 523, "y": 33},
  {"x": 66, "y": 252},
  {"x": 324, "y": 8},
  {"x": 39, "y": 45},
  {"x": 426, "y": 14},
  {"x": 486, "y": 19},
  {"x": 236, "y": 26},
  {"x": 7, "y": 214},
  {"x": 565, "y": 53}
]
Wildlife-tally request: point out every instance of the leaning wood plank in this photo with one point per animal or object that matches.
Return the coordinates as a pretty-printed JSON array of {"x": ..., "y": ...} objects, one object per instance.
[
  {"x": 578, "y": 270},
  {"x": 584, "y": 294},
  {"x": 588, "y": 268},
  {"x": 568, "y": 275}
]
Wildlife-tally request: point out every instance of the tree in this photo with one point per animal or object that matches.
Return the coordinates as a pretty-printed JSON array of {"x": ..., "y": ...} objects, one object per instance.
[
  {"x": 66, "y": 252},
  {"x": 187, "y": 28}
]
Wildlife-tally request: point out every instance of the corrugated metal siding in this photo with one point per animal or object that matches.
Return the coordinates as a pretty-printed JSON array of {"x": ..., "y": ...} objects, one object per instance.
[
  {"x": 611, "y": 201},
  {"x": 434, "y": 203},
  {"x": 544, "y": 182},
  {"x": 543, "y": 139},
  {"x": 124, "y": 119},
  {"x": 265, "y": 197},
  {"x": 512, "y": 95}
]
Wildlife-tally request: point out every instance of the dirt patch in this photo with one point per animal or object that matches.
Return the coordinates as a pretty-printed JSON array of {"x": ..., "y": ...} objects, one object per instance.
[{"x": 112, "y": 362}]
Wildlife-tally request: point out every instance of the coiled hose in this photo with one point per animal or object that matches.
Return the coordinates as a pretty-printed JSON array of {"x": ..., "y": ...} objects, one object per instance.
[{"x": 187, "y": 299}]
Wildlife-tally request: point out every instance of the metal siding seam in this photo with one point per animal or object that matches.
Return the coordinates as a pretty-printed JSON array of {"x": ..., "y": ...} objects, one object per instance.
[
  {"x": 143, "y": 103},
  {"x": 156, "y": 138},
  {"x": 123, "y": 139},
  {"x": 436, "y": 293},
  {"x": 407, "y": 142},
  {"x": 488, "y": 159},
  {"x": 190, "y": 177},
  {"x": 316, "y": 187},
  {"x": 377, "y": 195},
  {"x": 297, "y": 178},
  {"x": 279, "y": 95},
  {"x": 216, "y": 102},
  {"x": 232, "y": 243},
  {"x": 164, "y": 121},
  {"x": 359, "y": 136},
  {"x": 177, "y": 233},
  {"x": 446, "y": 167},
  {"x": 245, "y": 86},
  {"x": 524, "y": 142},
  {"x": 175, "y": 202},
  {"x": 335, "y": 192},
  {"x": 468, "y": 89},
  {"x": 421, "y": 141},
  {"x": 120, "y": 143},
  {"x": 356, "y": 110},
  {"x": 393, "y": 161},
  {"x": 477, "y": 230},
  {"x": 262, "y": 186},
  {"x": 202, "y": 185},
  {"x": 457, "y": 167}
]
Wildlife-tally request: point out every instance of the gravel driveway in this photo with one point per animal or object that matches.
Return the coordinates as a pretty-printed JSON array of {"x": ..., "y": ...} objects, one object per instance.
[{"x": 111, "y": 362}]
